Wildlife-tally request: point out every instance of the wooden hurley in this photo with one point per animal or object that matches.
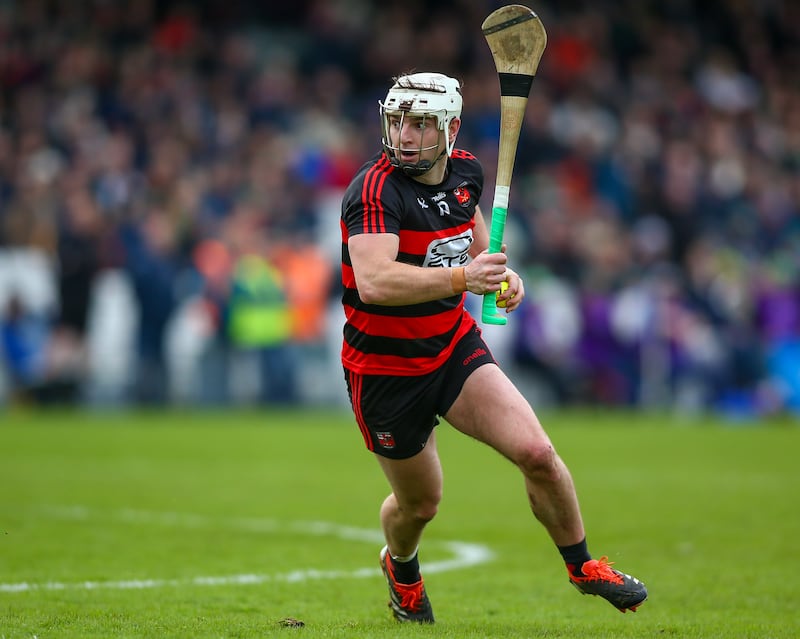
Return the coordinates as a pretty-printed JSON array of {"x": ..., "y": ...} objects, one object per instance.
[{"x": 517, "y": 39}]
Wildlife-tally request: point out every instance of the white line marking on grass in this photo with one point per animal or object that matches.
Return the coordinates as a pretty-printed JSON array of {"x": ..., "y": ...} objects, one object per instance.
[{"x": 464, "y": 555}]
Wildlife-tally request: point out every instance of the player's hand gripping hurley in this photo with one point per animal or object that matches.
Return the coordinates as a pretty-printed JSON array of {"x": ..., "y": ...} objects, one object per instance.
[{"x": 517, "y": 39}]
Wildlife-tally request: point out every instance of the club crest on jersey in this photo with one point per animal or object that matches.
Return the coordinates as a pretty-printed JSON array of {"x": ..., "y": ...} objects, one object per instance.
[
  {"x": 462, "y": 195},
  {"x": 385, "y": 439}
]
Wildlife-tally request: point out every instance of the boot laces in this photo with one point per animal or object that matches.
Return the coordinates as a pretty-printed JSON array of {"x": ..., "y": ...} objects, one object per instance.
[
  {"x": 410, "y": 595},
  {"x": 600, "y": 570}
]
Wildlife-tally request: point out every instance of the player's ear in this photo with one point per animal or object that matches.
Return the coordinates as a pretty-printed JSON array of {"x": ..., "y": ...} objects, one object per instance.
[{"x": 453, "y": 128}]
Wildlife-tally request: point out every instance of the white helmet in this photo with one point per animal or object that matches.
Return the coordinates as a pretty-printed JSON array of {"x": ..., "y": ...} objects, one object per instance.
[{"x": 421, "y": 95}]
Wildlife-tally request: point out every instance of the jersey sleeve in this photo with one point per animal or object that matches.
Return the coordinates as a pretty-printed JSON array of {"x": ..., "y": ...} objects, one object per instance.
[{"x": 373, "y": 203}]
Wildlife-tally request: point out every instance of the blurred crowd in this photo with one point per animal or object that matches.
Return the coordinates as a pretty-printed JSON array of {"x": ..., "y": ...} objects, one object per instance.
[{"x": 170, "y": 176}]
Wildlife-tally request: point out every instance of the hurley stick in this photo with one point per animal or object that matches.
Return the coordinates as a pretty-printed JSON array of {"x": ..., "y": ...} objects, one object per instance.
[{"x": 517, "y": 39}]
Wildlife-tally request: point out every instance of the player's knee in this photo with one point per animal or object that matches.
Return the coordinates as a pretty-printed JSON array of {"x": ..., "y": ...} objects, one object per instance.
[
  {"x": 427, "y": 510},
  {"x": 424, "y": 510},
  {"x": 537, "y": 460}
]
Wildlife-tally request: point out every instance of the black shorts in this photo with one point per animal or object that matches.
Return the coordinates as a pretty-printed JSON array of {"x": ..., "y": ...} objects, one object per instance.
[{"x": 396, "y": 414}]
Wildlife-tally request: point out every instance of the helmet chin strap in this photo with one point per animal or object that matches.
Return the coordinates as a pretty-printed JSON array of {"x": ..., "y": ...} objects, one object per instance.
[{"x": 418, "y": 168}]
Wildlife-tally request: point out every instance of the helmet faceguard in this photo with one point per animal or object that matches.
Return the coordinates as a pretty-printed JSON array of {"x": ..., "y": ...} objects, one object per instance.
[{"x": 420, "y": 95}]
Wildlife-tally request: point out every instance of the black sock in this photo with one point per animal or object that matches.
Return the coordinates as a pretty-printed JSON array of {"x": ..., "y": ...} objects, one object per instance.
[
  {"x": 575, "y": 556},
  {"x": 406, "y": 572}
]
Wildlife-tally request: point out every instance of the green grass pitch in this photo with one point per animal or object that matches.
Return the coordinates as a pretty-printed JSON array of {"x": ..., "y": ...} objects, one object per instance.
[{"x": 184, "y": 525}]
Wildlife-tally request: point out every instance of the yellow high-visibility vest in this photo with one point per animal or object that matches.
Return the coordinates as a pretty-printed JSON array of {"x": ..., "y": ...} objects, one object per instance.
[{"x": 258, "y": 314}]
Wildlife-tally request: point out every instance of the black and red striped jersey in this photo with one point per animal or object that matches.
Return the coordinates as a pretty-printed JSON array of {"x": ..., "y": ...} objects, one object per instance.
[{"x": 434, "y": 224}]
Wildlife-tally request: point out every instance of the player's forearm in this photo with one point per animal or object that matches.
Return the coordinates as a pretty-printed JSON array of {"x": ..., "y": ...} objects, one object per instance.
[
  {"x": 397, "y": 284},
  {"x": 480, "y": 235}
]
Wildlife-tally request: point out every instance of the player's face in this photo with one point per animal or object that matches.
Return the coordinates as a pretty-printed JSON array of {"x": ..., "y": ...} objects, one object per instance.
[{"x": 416, "y": 137}]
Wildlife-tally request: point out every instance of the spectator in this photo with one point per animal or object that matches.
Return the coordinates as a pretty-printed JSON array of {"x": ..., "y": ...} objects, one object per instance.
[
  {"x": 152, "y": 263},
  {"x": 152, "y": 124}
]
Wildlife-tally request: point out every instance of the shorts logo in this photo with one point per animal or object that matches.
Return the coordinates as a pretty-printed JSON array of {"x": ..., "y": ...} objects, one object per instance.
[
  {"x": 475, "y": 355},
  {"x": 385, "y": 439}
]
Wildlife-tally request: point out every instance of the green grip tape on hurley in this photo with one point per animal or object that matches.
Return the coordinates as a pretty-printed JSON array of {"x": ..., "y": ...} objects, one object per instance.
[{"x": 489, "y": 313}]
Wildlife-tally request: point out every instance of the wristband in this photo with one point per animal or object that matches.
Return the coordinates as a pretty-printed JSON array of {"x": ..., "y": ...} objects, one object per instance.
[{"x": 458, "y": 279}]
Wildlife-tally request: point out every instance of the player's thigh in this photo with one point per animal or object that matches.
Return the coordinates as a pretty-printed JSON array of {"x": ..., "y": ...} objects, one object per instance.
[
  {"x": 492, "y": 410},
  {"x": 417, "y": 479}
]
